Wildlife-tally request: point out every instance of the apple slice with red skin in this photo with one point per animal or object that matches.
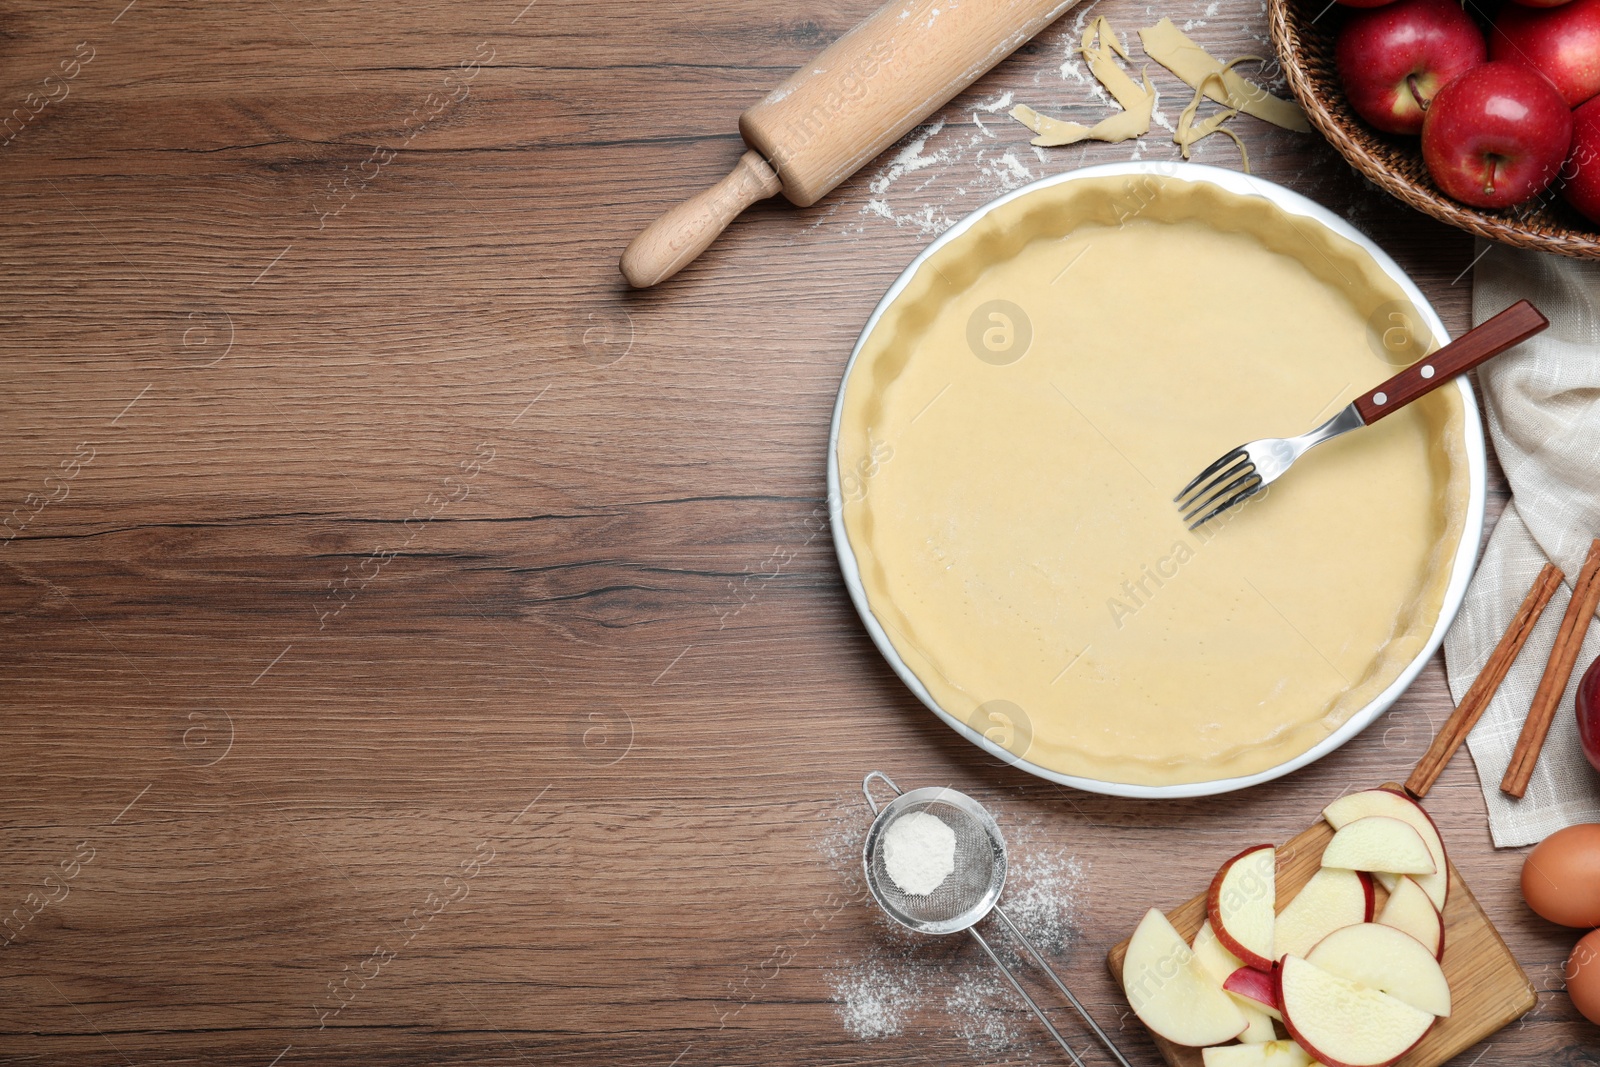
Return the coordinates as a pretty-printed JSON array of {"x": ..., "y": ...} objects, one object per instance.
[
  {"x": 1256, "y": 987},
  {"x": 1269, "y": 1054},
  {"x": 1396, "y": 805},
  {"x": 1219, "y": 963},
  {"x": 1242, "y": 903},
  {"x": 1343, "y": 1023},
  {"x": 1388, "y": 960},
  {"x": 1409, "y": 910},
  {"x": 1378, "y": 843},
  {"x": 1334, "y": 897},
  {"x": 1171, "y": 992}
]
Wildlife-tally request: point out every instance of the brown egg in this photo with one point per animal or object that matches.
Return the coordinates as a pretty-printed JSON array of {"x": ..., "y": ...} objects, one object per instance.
[
  {"x": 1561, "y": 878},
  {"x": 1583, "y": 977}
]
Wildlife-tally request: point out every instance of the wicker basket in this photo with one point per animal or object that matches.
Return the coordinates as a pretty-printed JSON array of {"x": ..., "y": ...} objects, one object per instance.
[{"x": 1394, "y": 163}]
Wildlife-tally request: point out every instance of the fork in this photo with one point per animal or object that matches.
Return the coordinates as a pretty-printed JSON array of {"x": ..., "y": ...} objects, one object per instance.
[{"x": 1243, "y": 472}]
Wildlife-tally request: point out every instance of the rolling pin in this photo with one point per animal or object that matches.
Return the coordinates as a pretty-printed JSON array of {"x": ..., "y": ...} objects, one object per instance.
[{"x": 858, "y": 97}]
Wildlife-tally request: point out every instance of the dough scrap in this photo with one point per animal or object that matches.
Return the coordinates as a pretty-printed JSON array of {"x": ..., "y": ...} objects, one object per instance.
[
  {"x": 1099, "y": 43},
  {"x": 1189, "y": 132},
  {"x": 1099, "y": 49},
  {"x": 1173, "y": 49},
  {"x": 1123, "y": 126}
]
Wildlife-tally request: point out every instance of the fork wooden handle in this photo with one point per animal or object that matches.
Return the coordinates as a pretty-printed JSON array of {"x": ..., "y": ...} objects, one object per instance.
[{"x": 1511, "y": 327}]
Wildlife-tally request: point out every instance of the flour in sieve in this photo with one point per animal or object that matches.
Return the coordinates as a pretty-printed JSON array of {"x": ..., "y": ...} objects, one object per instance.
[
  {"x": 898, "y": 982},
  {"x": 919, "y": 851}
]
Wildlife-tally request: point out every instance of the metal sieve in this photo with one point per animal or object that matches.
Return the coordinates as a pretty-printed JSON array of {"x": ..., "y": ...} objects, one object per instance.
[{"x": 970, "y": 892}]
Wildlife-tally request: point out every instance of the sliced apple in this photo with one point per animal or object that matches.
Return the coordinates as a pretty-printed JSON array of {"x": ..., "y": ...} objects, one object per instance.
[
  {"x": 1219, "y": 963},
  {"x": 1242, "y": 903},
  {"x": 1171, "y": 993},
  {"x": 1378, "y": 843},
  {"x": 1343, "y": 1023},
  {"x": 1270, "y": 1054},
  {"x": 1396, "y": 805},
  {"x": 1258, "y": 1028},
  {"x": 1334, "y": 897},
  {"x": 1256, "y": 987},
  {"x": 1409, "y": 910},
  {"x": 1383, "y": 958}
]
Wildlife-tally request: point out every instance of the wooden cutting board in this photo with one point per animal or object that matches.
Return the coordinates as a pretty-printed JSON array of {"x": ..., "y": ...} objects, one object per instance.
[{"x": 1488, "y": 988}]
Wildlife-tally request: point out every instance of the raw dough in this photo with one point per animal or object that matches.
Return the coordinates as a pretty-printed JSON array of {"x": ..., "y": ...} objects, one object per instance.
[
  {"x": 1189, "y": 133},
  {"x": 1016, "y": 535},
  {"x": 1172, "y": 48},
  {"x": 1099, "y": 43}
]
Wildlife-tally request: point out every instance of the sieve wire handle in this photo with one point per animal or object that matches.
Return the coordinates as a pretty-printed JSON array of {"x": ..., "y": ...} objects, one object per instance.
[
  {"x": 866, "y": 787},
  {"x": 1039, "y": 959},
  {"x": 1023, "y": 993}
]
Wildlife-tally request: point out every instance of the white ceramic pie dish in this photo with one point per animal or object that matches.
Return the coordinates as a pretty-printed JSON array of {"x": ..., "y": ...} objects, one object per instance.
[{"x": 1461, "y": 563}]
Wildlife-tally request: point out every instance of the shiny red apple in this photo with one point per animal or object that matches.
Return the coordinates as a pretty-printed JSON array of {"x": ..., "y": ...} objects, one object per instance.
[
  {"x": 1496, "y": 135},
  {"x": 1582, "y": 172},
  {"x": 1562, "y": 43},
  {"x": 1589, "y": 713},
  {"x": 1393, "y": 60}
]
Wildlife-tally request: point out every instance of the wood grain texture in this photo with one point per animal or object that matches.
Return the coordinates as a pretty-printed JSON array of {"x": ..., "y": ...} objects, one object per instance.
[
  {"x": 395, "y": 513},
  {"x": 1488, "y": 989}
]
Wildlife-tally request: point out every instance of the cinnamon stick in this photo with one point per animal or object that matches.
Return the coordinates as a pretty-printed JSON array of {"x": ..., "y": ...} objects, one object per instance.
[
  {"x": 1574, "y": 627},
  {"x": 1477, "y": 697}
]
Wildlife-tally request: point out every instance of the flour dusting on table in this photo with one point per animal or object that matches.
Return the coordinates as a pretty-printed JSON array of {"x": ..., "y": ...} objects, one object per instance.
[{"x": 903, "y": 983}]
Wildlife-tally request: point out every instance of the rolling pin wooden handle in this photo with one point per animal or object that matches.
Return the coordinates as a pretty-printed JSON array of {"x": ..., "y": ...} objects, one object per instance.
[{"x": 668, "y": 244}]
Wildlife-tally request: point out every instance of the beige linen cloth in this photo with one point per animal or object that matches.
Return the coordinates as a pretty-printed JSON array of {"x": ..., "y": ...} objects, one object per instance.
[{"x": 1543, "y": 400}]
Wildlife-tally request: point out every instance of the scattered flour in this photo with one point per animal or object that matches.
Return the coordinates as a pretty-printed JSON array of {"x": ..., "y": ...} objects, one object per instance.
[
  {"x": 1000, "y": 103},
  {"x": 977, "y": 1007},
  {"x": 986, "y": 173},
  {"x": 902, "y": 982},
  {"x": 875, "y": 997}
]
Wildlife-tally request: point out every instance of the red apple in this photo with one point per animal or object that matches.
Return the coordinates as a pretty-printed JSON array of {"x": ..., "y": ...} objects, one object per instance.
[
  {"x": 1395, "y": 59},
  {"x": 1365, "y": 3},
  {"x": 1582, "y": 174},
  {"x": 1562, "y": 43},
  {"x": 1589, "y": 709},
  {"x": 1497, "y": 135},
  {"x": 1541, "y": 3}
]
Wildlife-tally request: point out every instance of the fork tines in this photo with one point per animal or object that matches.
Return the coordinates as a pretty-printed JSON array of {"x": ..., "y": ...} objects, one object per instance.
[{"x": 1230, "y": 481}]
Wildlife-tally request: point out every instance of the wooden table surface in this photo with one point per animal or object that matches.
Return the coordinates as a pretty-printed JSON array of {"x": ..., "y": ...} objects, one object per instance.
[{"x": 418, "y": 648}]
